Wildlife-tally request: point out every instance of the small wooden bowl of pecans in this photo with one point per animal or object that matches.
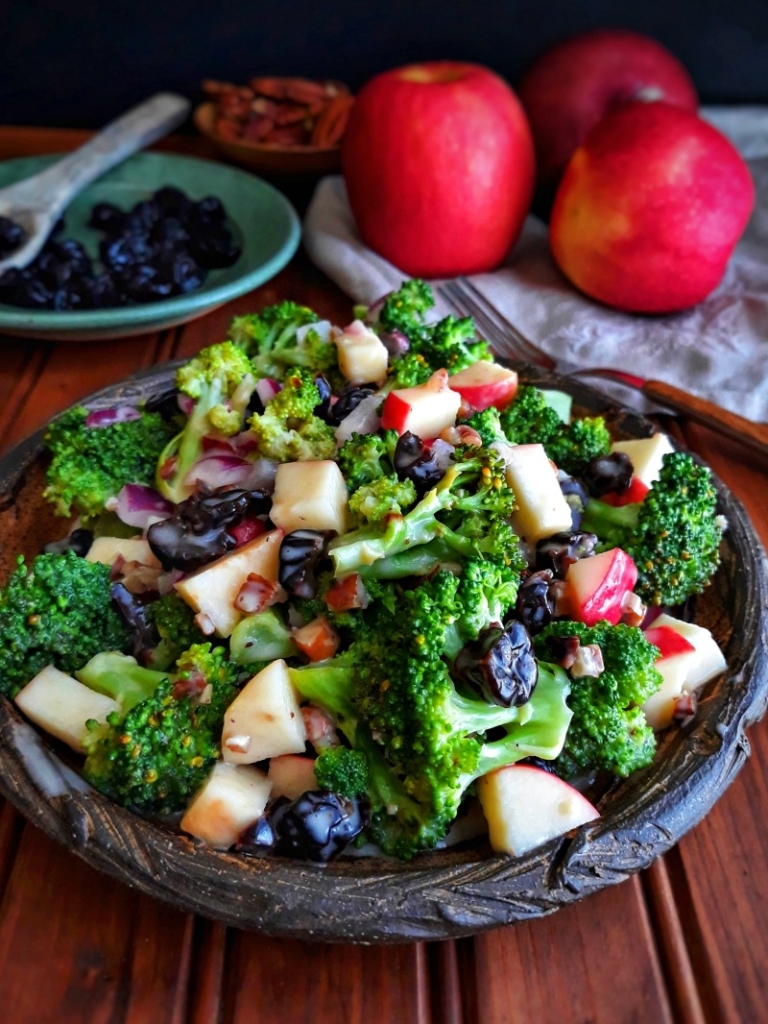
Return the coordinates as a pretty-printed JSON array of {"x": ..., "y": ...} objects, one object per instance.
[{"x": 278, "y": 126}]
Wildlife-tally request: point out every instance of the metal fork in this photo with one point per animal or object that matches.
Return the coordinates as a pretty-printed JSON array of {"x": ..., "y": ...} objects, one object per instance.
[{"x": 464, "y": 298}]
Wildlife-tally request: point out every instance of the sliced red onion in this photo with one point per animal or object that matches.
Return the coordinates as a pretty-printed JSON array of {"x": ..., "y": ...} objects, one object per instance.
[
  {"x": 363, "y": 419},
  {"x": 267, "y": 388},
  {"x": 244, "y": 443},
  {"x": 217, "y": 445},
  {"x": 186, "y": 404},
  {"x": 140, "y": 506},
  {"x": 108, "y": 417},
  {"x": 395, "y": 342},
  {"x": 219, "y": 471}
]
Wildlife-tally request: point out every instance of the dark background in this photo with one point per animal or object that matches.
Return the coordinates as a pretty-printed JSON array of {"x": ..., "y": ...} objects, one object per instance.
[{"x": 78, "y": 63}]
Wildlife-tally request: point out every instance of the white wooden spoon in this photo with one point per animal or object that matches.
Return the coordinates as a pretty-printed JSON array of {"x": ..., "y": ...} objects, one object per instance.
[{"x": 36, "y": 203}]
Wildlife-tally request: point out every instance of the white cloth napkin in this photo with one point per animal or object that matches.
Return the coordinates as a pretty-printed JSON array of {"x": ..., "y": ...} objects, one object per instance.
[{"x": 718, "y": 349}]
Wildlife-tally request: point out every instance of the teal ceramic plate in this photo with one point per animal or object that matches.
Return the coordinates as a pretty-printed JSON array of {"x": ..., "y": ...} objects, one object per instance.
[{"x": 263, "y": 222}]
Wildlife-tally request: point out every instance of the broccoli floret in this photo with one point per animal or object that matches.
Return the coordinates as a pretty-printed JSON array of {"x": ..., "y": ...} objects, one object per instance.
[
  {"x": 175, "y": 623},
  {"x": 342, "y": 771},
  {"x": 487, "y": 591},
  {"x": 673, "y": 535},
  {"x": 530, "y": 420},
  {"x": 609, "y": 730},
  {"x": 392, "y": 696},
  {"x": 407, "y": 371},
  {"x": 288, "y": 430},
  {"x": 159, "y": 754},
  {"x": 221, "y": 380},
  {"x": 488, "y": 425},
  {"x": 575, "y": 444},
  {"x": 120, "y": 677},
  {"x": 270, "y": 338},
  {"x": 474, "y": 490},
  {"x": 366, "y": 457},
  {"x": 452, "y": 343},
  {"x": 406, "y": 309},
  {"x": 383, "y": 497},
  {"x": 91, "y": 464},
  {"x": 56, "y": 611}
]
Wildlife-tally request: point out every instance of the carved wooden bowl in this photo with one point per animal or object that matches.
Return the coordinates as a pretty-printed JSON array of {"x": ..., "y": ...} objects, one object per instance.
[{"x": 448, "y": 893}]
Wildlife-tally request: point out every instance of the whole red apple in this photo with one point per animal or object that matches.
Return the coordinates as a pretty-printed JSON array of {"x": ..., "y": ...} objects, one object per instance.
[
  {"x": 439, "y": 168},
  {"x": 650, "y": 208},
  {"x": 575, "y": 83}
]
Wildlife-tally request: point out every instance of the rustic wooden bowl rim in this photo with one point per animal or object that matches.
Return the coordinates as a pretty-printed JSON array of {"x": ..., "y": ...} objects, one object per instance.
[{"x": 448, "y": 893}]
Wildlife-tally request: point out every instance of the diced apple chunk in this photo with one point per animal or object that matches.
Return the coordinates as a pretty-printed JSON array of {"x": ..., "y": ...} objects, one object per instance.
[
  {"x": 425, "y": 410},
  {"x": 646, "y": 454},
  {"x": 213, "y": 590},
  {"x": 363, "y": 358},
  {"x": 310, "y": 496},
  {"x": 541, "y": 508},
  {"x": 232, "y": 798},
  {"x": 264, "y": 720},
  {"x": 485, "y": 384},
  {"x": 685, "y": 672},
  {"x": 292, "y": 775},
  {"x": 61, "y": 706},
  {"x": 526, "y": 807},
  {"x": 130, "y": 549},
  {"x": 596, "y": 587}
]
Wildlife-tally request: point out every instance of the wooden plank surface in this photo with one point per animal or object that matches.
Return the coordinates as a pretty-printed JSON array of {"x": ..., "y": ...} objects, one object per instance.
[{"x": 683, "y": 942}]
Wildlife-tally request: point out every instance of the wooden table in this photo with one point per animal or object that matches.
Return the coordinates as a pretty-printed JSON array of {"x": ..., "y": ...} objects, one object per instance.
[{"x": 684, "y": 941}]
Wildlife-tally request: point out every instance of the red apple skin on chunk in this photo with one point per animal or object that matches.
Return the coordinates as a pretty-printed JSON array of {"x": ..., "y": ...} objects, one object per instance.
[
  {"x": 669, "y": 641},
  {"x": 484, "y": 384},
  {"x": 635, "y": 493},
  {"x": 650, "y": 209},
  {"x": 438, "y": 163},
  {"x": 426, "y": 409},
  {"x": 574, "y": 84},
  {"x": 597, "y": 586},
  {"x": 526, "y": 807}
]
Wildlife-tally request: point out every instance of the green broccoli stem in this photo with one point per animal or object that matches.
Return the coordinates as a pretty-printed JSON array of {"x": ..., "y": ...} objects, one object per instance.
[
  {"x": 121, "y": 677},
  {"x": 330, "y": 685},
  {"x": 540, "y": 729},
  {"x": 612, "y": 526},
  {"x": 418, "y": 561},
  {"x": 365, "y": 546}
]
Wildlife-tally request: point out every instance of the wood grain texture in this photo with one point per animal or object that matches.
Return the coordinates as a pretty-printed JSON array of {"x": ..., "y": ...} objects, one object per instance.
[
  {"x": 353, "y": 984},
  {"x": 110, "y": 955},
  {"x": 570, "y": 968}
]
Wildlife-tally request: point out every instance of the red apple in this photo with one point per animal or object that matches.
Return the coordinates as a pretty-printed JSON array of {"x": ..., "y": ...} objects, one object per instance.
[
  {"x": 635, "y": 493},
  {"x": 526, "y": 807},
  {"x": 484, "y": 384},
  {"x": 425, "y": 410},
  {"x": 650, "y": 209},
  {"x": 669, "y": 641},
  {"x": 571, "y": 87},
  {"x": 438, "y": 163},
  {"x": 596, "y": 587}
]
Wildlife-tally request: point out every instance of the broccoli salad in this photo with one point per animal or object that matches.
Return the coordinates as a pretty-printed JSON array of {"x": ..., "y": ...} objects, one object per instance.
[{"x": 340, "y": 584}]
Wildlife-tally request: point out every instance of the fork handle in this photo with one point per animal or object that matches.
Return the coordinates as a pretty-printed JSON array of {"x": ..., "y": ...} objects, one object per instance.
[
  {"x": 752, "y": 435},
  {"x": 139, "y": 127}
]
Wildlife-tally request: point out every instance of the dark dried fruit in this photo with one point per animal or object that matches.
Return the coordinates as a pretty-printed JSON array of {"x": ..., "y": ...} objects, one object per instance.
[
  {"x": 535, "y": 600},
  {"x": 347, "y": 402},
  {"x": 500, "y": 665},
  {"x": 414, "y": 461},
  {"x": 300, "y": 552},
  {"x": 608, "y": 474},
  {"x": 199, "y": 530},
  {"x": 316, "y": 826},
  {"x": 563, "y": 549}
]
